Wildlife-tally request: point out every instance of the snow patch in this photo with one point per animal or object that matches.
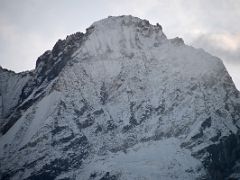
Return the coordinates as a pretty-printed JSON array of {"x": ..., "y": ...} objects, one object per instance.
[{"x": 163, "y": 159}]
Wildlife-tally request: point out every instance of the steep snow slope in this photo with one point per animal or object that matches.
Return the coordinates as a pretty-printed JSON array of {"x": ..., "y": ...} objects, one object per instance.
[
  {"x": 11, "y": 85},
  {"x": 31, "y": 85},
  {"x": 124, "y": 102}
]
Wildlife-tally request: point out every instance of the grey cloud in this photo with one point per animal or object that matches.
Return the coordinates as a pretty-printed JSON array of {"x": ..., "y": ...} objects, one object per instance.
[
  {"x": 30, "y": 27},
  {"x": 223, "y": 45}
]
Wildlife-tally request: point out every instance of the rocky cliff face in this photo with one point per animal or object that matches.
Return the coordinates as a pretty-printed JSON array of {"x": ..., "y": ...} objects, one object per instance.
[{"x": 122, "y": 102}]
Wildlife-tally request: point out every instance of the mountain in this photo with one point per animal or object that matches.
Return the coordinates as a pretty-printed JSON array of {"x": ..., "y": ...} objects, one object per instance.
[{"x": 120, "y": 102}]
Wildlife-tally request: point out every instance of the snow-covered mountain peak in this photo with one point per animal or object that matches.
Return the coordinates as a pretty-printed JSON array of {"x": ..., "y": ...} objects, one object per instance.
[
  {"x": 117, "y": 22},
  {"x": 120, "y": 102},
  {"x": 122, "y": 33}
]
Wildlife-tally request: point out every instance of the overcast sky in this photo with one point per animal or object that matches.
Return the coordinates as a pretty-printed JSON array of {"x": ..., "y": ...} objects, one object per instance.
[{"x": 30, "y": 27}]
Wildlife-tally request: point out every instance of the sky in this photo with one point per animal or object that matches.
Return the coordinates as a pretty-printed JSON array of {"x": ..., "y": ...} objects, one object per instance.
[{"x": 30, "y": 27}]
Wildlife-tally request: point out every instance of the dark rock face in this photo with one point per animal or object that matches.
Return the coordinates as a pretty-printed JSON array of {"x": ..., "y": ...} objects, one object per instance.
[
  {"x": 107, "y": 176},
  {"x": 223, "y": 156}
]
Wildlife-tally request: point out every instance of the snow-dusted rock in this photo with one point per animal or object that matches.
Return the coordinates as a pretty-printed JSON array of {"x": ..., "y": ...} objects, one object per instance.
[
  {"x": 11, "y": 86},
  {"x": 123, "y": 102}
]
